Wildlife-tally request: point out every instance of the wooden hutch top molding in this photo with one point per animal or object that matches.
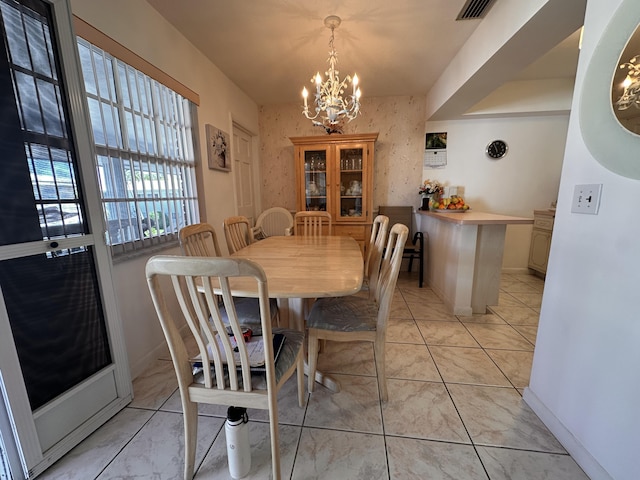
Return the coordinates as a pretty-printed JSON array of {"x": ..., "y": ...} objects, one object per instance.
[{"x": 335, "y": 138}]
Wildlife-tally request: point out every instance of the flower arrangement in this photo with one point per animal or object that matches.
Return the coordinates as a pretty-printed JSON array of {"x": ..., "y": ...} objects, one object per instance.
[{"x": 429, "y": 187}]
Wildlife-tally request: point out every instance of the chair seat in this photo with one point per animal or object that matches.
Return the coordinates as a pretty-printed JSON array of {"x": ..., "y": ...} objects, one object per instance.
[
  {"x": 345, "y": 314},
  {"x": 248, "y": 310},
  {"x": 293, "y": 342}
]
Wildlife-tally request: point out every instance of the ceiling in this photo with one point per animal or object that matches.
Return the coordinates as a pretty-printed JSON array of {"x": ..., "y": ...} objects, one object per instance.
[{"x": 272, "y": 48}]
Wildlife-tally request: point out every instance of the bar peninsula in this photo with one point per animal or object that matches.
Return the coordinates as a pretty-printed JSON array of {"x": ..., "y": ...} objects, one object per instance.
[{"x": 464, "y": 257}]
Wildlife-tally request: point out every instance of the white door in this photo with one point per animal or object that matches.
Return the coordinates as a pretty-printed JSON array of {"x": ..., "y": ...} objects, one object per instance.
[
  {"x": 63, "y": 366},
  {"x": 245, "y": 174}
]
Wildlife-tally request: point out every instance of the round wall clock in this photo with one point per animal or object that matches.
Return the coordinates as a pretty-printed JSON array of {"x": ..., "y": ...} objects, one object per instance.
[{"x": 497, "y": 149}]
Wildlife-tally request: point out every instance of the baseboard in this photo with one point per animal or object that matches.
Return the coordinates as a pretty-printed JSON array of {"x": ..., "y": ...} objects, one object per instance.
[
  {"x": 161, "y": 351},
  {"x": 571, "y": 444},
  {"x": 145, "y": 362}
]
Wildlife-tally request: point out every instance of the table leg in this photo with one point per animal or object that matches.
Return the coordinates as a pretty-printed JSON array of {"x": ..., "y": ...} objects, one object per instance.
[
  {"x": 283, "y": 312},
  {"x": 296, "y": 318}
]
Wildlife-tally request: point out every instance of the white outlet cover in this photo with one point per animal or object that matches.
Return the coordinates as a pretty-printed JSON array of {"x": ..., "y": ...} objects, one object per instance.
[{"x": 586, "y": 198}]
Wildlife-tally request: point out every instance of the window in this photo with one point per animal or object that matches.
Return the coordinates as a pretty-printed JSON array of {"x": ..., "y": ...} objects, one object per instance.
[{"x": 143, "y": 133}]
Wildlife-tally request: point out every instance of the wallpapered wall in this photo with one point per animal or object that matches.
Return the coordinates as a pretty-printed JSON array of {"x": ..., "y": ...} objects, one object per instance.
[{"x": 398, "y": 156}]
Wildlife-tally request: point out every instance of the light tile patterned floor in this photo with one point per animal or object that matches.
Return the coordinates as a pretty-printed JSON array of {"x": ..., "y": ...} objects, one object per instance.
[{"x": 455, "y": 408}]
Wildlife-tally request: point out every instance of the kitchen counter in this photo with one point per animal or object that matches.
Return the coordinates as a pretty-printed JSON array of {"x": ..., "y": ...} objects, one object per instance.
[
  {"x": 472, "y": 217},
  {"x": 464, "y": 257}
]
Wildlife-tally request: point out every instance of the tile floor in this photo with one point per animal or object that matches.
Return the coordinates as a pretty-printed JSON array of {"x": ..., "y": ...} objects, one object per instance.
[{"x": 455, "y": 408}]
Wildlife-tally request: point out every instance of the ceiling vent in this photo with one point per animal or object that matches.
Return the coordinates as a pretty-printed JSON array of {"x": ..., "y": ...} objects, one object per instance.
[{"x": 474, "y": 9}]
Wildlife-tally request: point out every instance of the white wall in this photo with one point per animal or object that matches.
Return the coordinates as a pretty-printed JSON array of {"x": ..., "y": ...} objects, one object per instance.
[
  {"x": 584, "y": 382},
  {"x": 142, "y": 30},
  {"x": 527, "y": 178}
]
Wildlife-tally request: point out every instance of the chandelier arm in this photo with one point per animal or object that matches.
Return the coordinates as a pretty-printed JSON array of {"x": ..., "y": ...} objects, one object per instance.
[{"x": 331, "y": 107}]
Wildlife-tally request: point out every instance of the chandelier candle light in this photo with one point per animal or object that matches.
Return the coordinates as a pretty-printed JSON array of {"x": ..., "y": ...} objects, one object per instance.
[{"x": 331, "y": 108}]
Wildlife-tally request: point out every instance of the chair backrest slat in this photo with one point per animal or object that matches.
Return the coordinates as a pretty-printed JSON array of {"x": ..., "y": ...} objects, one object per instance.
[
  {"x": 389, "y": 270},
  {"x": 313, "y": 223},
  {"x": 199, "y": 240},
  {"x": 375, "y": 251},
  {"x": 238, "y": 233}
]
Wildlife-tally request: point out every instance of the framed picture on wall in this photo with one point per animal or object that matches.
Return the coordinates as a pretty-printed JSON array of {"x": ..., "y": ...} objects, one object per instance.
[{"x": 218, "y": 149}]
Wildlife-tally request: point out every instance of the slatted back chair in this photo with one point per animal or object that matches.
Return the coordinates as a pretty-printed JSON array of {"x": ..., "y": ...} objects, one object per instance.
[
  {"x": 217, "y": 374},
  {"x": 314, "y": 223},
  {"x": 375, "y": 250},
  {"x": 415, "y": 248},
  {"x": 355, "y": 318},
  {"x": 238, "y": 233},
  {"x": 200, "y": 240}
]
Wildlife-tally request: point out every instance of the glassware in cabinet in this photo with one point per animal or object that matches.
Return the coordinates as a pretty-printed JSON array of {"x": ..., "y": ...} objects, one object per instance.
[
  {"x": 315, "y": 181},
  {"x": 351, "y": 181}
]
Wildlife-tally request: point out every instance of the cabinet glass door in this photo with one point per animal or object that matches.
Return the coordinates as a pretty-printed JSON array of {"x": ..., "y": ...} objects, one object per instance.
[
  {"x": 315, "y": 179},
  {"x": 351, "y": 181}
]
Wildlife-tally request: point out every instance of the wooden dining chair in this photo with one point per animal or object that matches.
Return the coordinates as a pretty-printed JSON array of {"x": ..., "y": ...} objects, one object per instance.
[
  {"x": 273, "y": 221},
  {"x": 200, "y": 240},
  {"x": 238, "y": 233},
  {"x": 375, "y": 249},
  {"x": 354, "y": 318},
  {"x": 313, "y": 223},
  {"x": 415, "y": 248},
  {"x": 218, "y": 375}
]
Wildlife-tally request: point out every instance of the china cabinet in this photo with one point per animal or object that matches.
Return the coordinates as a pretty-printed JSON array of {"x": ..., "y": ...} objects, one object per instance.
[
  {"x": 541, "y": 240},
  {"x": 335, "y": 173}
]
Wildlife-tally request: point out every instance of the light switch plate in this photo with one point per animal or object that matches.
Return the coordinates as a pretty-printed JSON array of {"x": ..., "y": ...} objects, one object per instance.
[{"x": 586, "y": 198}]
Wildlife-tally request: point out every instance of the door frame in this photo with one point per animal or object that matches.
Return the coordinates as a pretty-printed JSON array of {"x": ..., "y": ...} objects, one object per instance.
[
  {"x": 256, "y": 185},
  {"x": 23, "y": 432}
]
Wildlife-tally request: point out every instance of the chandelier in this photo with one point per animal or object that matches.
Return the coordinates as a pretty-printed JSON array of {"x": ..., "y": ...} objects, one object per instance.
[
  {"x": 331, "y": 108},
  {"x": 631, "y": 94}
]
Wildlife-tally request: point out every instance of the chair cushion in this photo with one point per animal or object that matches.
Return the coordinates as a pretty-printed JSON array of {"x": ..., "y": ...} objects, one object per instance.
[
  {"x": 248, "y": 310},
  {"x": 293, "y": 342},
  {"x": 345, "y": 314}
]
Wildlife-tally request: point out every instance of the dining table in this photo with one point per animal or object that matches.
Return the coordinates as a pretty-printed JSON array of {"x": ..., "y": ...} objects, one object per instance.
[{"x": 304, "y": 267}]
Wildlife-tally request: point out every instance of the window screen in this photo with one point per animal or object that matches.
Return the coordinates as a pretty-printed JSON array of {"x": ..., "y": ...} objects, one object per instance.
[{"x": 143, "y": 133}]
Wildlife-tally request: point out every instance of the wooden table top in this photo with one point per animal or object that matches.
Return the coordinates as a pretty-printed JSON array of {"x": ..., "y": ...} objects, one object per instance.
[
  {"x": 476, "y": 218},
  {"x": 305, "y": 267}
]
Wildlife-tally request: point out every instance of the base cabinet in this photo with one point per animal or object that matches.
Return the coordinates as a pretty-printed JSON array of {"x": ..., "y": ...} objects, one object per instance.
[
  {"x": 541, "y": 240},
  {"x": 335, "y": 173}
]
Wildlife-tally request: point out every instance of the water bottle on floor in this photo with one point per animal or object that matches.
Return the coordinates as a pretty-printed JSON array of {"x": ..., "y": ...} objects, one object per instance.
[{"x": 238, "y": 449}]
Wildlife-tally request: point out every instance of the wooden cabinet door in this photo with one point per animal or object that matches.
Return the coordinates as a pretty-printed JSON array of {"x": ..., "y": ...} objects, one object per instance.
[
  {"x": 351, "y": 186},
  {"x": 539, "y": 252},
  {"x": 313, "y": 174}
]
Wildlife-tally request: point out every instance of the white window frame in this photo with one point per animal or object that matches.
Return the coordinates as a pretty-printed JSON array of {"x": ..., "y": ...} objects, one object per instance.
[{"x": 145, "y": 157}]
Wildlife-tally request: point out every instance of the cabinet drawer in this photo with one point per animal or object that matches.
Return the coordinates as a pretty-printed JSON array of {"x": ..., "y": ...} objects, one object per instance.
[
  {"x": 357, "y": 232},
  {"x": 544, "y": 223}
]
